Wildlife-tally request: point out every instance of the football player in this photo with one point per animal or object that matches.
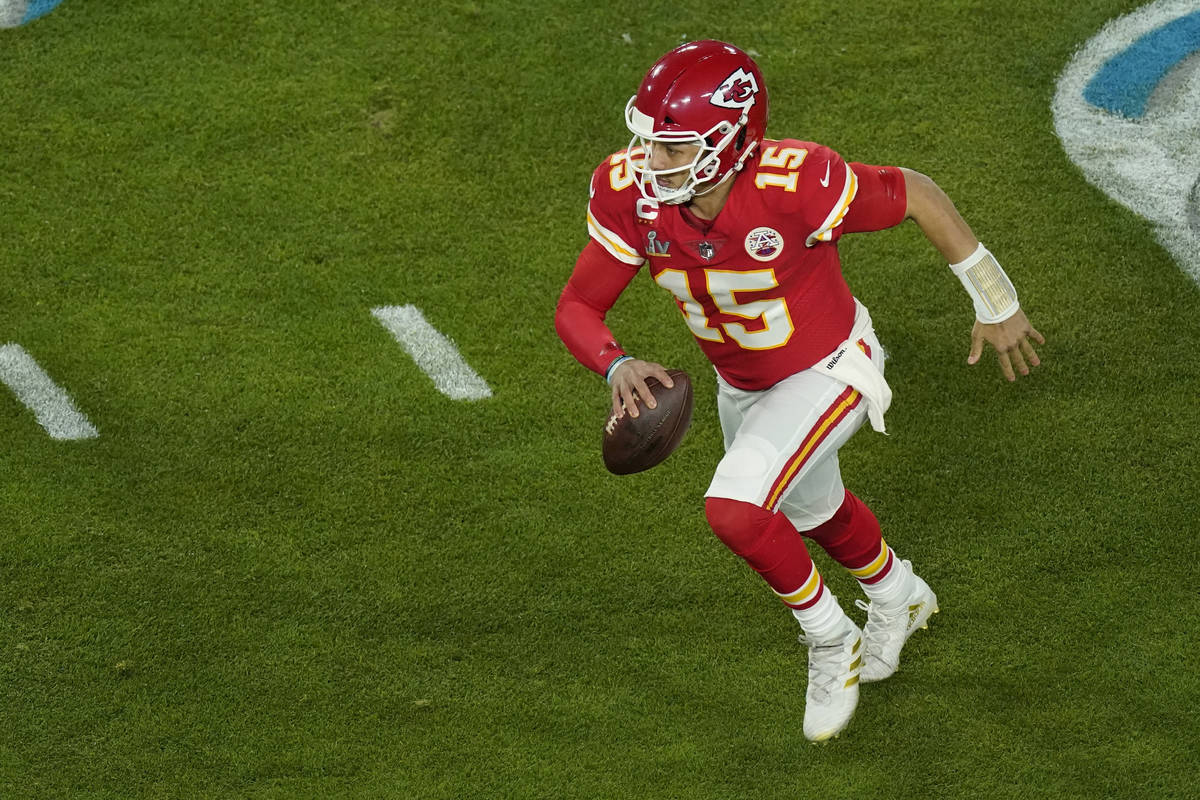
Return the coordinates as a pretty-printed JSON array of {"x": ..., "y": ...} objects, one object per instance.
[{"x": 743, "y": 231}]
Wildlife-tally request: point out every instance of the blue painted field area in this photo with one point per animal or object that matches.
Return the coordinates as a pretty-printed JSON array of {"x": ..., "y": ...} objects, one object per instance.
[{"x": 1124, "y": 85}]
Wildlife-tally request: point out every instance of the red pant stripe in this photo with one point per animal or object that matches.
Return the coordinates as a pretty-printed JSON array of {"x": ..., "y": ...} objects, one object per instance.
[{"x": 846, "y": 402}]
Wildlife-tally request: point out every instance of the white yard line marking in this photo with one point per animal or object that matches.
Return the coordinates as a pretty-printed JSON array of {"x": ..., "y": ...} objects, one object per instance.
[
  {"x": 49, "y": 403},
  {"x": 434, "y": 353},
  {"x": 1127, "y": 109}
]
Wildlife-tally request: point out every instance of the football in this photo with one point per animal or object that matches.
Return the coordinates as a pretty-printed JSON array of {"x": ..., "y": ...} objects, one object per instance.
[{"x": 633, "y": 444}]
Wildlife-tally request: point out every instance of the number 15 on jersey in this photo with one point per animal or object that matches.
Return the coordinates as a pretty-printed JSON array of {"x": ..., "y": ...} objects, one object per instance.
[{"x": 768, "y": 324}]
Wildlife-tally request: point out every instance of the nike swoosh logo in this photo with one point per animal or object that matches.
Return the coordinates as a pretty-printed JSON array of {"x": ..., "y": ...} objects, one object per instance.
[{"x": 825, "y": 180}]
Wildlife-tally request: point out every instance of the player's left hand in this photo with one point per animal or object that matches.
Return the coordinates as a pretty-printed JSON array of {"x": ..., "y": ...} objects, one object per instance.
[{"x": 1010, "y": 339}]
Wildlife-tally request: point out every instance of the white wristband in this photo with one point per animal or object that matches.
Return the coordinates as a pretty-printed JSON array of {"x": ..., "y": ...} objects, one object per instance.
[
  {"x": 991, "y": 291},
  {"x": 613, "y": 366}
]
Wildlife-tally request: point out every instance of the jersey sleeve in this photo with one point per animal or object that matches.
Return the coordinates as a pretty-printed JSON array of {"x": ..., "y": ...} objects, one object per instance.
[
  {"x": 593, "y": 288},
  {"x": 830, "y": 187},
  {"x": 612, "y": 200},
  {"x": 607, "y": 264},
  {"x": 881, "y": 201}
]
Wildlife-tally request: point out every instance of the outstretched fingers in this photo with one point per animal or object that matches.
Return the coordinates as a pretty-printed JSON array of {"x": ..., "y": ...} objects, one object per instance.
[
  {"x": 1030, "y": 354},
  {"x": 976, "y": 347},
  {"x": 1010, "y": 340}
]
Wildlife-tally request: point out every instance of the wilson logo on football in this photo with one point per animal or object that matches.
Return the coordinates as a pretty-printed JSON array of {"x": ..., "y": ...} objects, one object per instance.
[
  {"x": 764, "y": 244},
  {"x": 736, "y": 91}
]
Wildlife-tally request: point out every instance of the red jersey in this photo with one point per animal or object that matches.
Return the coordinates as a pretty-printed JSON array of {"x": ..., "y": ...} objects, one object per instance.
[{"x": 760, "y": 286}]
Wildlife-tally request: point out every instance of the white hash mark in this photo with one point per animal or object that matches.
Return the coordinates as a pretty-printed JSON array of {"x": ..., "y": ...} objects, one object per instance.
[
  {"x": 51, "y": 406},
  {"x": 433, "y": 353}
]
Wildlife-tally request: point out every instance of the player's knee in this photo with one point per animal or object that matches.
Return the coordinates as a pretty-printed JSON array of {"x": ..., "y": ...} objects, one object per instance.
[
  {"x": 810, "y": 503},
  {"x": 741, "y": 526}
]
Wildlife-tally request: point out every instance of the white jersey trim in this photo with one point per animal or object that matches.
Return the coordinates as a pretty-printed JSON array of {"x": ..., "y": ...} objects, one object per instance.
[
  {"x": 613, "y": 243},
  {"x": 825, "y": 232}
]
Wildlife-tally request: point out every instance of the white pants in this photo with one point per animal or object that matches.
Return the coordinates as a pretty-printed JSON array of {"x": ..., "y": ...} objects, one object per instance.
[{"x": 781, "y": 443}]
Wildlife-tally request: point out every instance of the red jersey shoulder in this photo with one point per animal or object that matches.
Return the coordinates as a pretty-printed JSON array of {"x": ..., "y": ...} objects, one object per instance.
[
  {"x": 615, "y": 206},
  {"x": 613, "y": 185},
  {"x": 810, "y": 180}
]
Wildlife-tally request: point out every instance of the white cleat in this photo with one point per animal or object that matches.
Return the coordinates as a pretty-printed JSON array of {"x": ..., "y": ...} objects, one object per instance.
[
  {"x": 832, "y": 692},
  {"x": 888, "y": 628}
]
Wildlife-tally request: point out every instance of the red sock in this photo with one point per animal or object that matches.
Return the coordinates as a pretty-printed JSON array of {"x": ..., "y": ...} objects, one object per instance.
[{"x": 852, "y": 538}]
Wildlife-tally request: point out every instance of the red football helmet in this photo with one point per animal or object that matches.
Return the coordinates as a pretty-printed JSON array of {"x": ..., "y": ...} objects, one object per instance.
[{"x": 706, "y": 93}]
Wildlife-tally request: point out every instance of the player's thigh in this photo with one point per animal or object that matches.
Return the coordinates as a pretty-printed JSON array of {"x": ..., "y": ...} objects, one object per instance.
[
  {"x": 731, "y": 405},
  {"x": 816, "y": 495},
  {"x": 784, "y": 434}
]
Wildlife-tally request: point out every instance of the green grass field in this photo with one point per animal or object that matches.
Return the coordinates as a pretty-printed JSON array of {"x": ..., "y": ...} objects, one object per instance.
[{"x": 289, "y": 568}]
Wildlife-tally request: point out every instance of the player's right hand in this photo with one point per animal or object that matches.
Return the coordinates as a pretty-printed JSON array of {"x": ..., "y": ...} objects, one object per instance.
[{"x": 629, "y": 383}]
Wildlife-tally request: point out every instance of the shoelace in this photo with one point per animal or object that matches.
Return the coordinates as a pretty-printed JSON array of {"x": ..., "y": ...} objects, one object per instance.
[
  {"x": 825, "y": 660},
  {"x": 879, "y": 623}
]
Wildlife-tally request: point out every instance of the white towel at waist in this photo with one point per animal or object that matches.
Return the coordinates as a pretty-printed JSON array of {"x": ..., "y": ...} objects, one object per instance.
[{"x": 850, "y": 365}]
